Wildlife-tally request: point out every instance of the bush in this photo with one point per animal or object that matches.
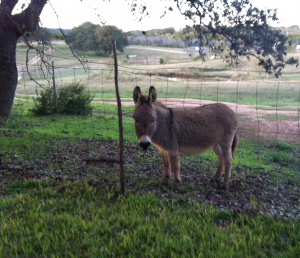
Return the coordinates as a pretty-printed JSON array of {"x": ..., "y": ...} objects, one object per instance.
[
  {"x": 166, "y": 58},
  {"x": 72, "y": 100}
]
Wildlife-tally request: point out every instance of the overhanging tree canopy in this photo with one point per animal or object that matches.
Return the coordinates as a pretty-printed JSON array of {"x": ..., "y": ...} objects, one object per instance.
[{"x": 242, "y": 30}]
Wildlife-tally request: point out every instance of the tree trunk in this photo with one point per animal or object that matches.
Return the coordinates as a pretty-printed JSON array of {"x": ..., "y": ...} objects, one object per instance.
[
  {"x": 11, "y": 28},
  {"x": 8, "y": 72}
]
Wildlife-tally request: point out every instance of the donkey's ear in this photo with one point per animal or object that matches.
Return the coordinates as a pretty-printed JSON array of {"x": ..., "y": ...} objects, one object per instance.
[
  {"x": 137, "y": 95},
  {"x": 152, "y": 95}
]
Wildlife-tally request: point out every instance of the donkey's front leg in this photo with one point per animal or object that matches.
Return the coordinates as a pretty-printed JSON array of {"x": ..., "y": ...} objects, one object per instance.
[
  {"x": 175, "y": 167},
  {"x": 166, "y": 164}
]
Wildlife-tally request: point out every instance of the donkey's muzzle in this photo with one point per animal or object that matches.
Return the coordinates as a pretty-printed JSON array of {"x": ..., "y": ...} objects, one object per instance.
[{"x": 145, "y": 145}]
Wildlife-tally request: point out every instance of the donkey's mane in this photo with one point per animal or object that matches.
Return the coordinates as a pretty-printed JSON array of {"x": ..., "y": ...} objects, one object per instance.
[{"x": 145, "y": 97}]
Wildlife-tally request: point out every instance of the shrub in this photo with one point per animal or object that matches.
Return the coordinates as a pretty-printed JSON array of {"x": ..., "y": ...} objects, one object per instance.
[
  {"x": 161, "y": 60},
  {"x": 282, "y": 157},
  {"x": 72, "y": 100},
  {"x": 166, "y": 58}
]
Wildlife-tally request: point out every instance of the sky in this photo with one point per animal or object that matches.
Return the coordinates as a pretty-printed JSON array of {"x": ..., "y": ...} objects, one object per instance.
[{"x": 67, "y": 14}]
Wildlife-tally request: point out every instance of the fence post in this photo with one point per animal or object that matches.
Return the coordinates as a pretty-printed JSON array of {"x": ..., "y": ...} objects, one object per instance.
[
  {"x": 54, "y": 86},
  {"x": 121, "y": 146}
]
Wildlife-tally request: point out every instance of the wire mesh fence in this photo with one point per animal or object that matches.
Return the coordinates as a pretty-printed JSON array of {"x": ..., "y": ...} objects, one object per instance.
[
  {"x": 265, "y": 109},
  {"x": 39, "y": 147}
]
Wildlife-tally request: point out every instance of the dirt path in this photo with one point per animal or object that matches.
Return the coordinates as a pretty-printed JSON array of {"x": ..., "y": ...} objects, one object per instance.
[
  {"x": 32, "y": 61},
  {"x": 252, "y": 120},
  {"x": 157, "y": 49}
]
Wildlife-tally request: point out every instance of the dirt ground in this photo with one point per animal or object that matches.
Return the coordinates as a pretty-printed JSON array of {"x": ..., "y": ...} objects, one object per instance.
[{"x": 253, "y": 190}]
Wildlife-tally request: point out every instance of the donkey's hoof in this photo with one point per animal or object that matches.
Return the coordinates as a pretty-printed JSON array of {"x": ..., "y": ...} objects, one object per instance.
[
  {"x": 165, "y": 181},
  {"x": 175, "y": 186},
  {"x": 224, "y": 186},
  {"x": 216, "y": 180}
]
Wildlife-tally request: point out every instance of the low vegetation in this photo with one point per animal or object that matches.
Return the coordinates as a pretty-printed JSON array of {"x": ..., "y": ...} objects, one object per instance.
[
  {"x": 71, "y": 99},
  {"x": 79, "y": 220}
]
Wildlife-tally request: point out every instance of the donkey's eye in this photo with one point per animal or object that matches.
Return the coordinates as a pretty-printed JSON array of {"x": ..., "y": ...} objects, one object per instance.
[
  {"x": 136, "y": 120},
  {"x": 152, "y": 121}
]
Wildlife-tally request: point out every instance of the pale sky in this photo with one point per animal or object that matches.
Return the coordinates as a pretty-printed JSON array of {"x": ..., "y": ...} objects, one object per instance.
[{"x": 72, "y": 13}]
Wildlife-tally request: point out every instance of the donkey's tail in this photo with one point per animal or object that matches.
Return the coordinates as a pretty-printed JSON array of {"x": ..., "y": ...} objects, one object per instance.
[{"x": 234, "y": 145}]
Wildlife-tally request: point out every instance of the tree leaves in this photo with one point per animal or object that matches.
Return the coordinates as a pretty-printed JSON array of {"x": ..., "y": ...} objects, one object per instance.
[{"x": 233, "y": 29}]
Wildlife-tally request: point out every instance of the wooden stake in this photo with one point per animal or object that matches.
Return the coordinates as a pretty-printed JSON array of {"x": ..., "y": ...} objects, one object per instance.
[
  {"x": 121, "y": 146},
  {"x": 54, "y": 86}
]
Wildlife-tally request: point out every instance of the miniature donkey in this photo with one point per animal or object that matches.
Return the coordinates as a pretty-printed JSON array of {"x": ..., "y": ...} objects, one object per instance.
[{"x": 186, "y": 130}]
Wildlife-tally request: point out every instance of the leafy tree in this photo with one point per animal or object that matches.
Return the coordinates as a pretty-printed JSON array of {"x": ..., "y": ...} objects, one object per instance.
[
  {"x": 40, "y": 35},
  {"x": 105, "y": 36},
  {"x": 92, "y": 37},
  {"x": 83, "y": 38},
  {"x": 155, "y": 32},
  {"x": 57, "y": 35},
  {"x": 243, "y": 30}
]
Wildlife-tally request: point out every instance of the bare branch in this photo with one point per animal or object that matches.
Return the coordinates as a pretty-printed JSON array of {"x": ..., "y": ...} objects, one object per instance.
[
  {"x": 74, "y": 52},
  {"x": 46, "y": 64}
]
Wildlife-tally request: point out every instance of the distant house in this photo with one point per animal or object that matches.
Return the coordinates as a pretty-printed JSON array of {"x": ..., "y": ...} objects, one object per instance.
[
  {"x": 298, "y": 47},
  {"x": 202, "y": 48},
  {"x": 129, "y": 56}
]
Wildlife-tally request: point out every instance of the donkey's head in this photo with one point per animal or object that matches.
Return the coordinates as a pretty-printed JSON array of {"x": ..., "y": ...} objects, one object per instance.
[{"x": 144, "y": 115}]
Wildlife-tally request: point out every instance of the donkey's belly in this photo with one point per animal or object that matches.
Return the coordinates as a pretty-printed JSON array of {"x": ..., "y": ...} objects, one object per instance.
[{"x": 192, "y": 150}]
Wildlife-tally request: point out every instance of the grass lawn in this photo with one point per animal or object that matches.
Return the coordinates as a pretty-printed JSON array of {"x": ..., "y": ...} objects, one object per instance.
[
  {"x": 53, "y": 205},
  {"x": 78, "y": 220}
]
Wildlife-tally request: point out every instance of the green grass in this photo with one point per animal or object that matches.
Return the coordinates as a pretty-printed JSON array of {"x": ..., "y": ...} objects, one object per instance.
[
  {"x": 283, "y": 145},
  {"x": 77, "y": 220},
  {"x": 283, "y": 157},
  {"x": 60, "y": 218},
  {"x": 275, "y": 117},
  {"x": 101, "y": 124},
  {"x": 278, "y": 108},
  {"x": 104, "y": 124}
]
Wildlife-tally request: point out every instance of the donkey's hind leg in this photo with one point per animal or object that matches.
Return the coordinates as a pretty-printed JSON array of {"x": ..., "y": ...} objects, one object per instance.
[
  {"x": 175, "y": 167},
  {"x": 218, "y": 151},
  {"x": 227, "y": 159},
  {"x": 166, "y": 165}
]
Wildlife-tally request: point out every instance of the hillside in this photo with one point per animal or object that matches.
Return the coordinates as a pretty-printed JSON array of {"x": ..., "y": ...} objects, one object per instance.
[
  {"x": 291, "y": 30},
  {"x": 57, "y": 30}
]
